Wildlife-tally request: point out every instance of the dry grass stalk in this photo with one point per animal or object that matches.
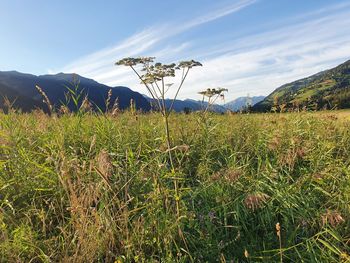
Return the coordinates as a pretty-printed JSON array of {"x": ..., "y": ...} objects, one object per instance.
[
  {"x": 333, "y": 218},
  {"x": 291, "y": 156},
  {"x": 90, "y": 230},
  {"x": 85, "y": 105},
  {"x": 92, "y": 143},
  {"x": 45, "y": 99},
  {"x": 115, "y": 108},
  {"x": 64, "y": 110},
  {"x": 255, "y": 201},
  {"x": 8, "y": 105},
  {"x": 216, "y": 176},
  {"x": 232, "y": 175},
  {"x": 274, "y": 144},
  {"x": 108, "y": 101},
  {"x": 246, "y": 254},
  {"x": 278, "y": 233},
  {"x": 229, "y": 175},
  {"x": 278, "y": 230},
  {"x": 104, "y": 164}
]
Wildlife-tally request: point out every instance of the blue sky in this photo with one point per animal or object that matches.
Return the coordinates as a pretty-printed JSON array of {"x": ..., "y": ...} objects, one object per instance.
[{"x": 247, "y": 46}]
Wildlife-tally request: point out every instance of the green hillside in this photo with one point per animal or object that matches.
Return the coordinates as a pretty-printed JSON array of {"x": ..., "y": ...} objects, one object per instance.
[{"x": 328, "y": 89}]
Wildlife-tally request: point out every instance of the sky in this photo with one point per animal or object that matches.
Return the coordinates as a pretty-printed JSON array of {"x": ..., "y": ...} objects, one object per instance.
[{"x": 247, "y": 46}]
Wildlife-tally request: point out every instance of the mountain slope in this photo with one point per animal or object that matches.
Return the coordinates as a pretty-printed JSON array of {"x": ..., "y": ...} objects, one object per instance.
[
  {"x": 241, "y": 102},
  {"x": 325, "y": 90},
  {"x": 196, "y": 105},
  {"x": 11, "y": 96},
  {"x": 189, "y": 105},
  {"x": 20, "y": 87}
]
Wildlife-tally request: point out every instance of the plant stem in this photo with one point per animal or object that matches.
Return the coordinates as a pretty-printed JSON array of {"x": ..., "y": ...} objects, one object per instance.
[
  {"x": 147, "y": 87},
  {"x": 167, "y": 132},
  {"x": 176, "y": 188},
  {"x": 178, "y": 89}
]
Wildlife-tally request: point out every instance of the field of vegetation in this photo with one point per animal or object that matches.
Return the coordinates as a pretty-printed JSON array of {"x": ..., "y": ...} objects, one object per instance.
[{"x": 89, "y": 187}]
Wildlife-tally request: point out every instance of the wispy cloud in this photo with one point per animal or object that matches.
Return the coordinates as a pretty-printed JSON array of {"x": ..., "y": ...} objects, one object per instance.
[
  {"x": 151, "y": 41},
  {"x": 227, "y": 10},
  {"x": 254, "y": 64},
  {"x": 260, "y": 63}
]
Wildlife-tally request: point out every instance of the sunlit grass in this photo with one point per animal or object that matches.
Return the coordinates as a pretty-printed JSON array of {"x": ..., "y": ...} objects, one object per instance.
[{"x": 97, "y": 188}]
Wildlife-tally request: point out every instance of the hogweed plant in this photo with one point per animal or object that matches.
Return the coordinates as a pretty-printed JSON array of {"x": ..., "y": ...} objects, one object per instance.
[
  {"x": 155, "y": 76},
  {"x": 212, "y": 96}
]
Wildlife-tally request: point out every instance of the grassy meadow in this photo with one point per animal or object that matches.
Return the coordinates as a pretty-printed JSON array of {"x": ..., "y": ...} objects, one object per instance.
[{"x": 245, "y": 188}]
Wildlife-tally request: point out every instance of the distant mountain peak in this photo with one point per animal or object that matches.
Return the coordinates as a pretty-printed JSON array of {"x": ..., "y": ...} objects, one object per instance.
[{"x": 241, "y": 102}]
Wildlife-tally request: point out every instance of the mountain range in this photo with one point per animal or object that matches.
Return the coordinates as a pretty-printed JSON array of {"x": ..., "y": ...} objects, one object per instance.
[
  {"x": 329, "y": 89},
  {"x": 196, "y": 105},
  {"x": 241, "y": 102},
  {"x": 188, "y": 105},
  {"x": 20, "y": 89}
]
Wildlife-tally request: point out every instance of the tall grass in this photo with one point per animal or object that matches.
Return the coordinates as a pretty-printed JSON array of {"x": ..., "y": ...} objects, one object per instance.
[{"x": 97, "y": 188}]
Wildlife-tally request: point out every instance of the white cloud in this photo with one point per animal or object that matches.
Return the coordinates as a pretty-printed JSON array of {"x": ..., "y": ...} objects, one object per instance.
[
  {"x": 254, "y": 64},
  {"x": 99, "y": 65},
  {"x": 258, "y": 64}
]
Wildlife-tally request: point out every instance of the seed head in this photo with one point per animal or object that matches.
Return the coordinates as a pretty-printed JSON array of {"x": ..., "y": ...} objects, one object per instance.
[
  {"x": 278, "y": 230},
  {"x": 64, "y": 109},
  {"x": 85, "y": 105},
  {"x": 108, "y": 101},
  {"x": 334, "y": 218},
  {"x": 45, "y": 98},
  {"x": 255, "y": 201},
  {"x": 104, "y": 163}
]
